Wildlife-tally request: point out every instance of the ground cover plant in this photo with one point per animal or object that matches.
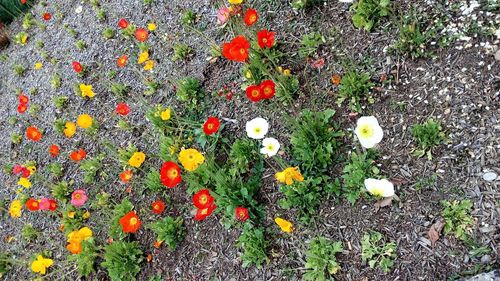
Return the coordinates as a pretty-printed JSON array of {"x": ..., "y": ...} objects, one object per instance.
[{"x": 249, "y": 140}]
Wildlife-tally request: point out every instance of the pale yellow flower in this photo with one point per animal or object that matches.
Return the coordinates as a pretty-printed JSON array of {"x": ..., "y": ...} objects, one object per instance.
[{"x": 151, "y": 26}]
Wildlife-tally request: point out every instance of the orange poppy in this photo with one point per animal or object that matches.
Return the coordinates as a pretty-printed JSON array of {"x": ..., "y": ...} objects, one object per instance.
[
  {"x": 54, "y": 150},
  {"x": 202, "y": 199},
  {"x": 78, "y": 155},
  {"x": 141, "y": 34},
  {"x": 23, "y": 99},
  {"x": 241, "y": 213},
  {"x": 32, "y": 204},
  {"x": 170, "y": 174},
  {"x": 336, "y": 79},
  {"x": 201, "y": 214},
  {"x": 21, "y": 108},
  {"x": 126, "y": 176},
  {"x": 254, "y": 93},
  {"x": 130, "y": 222},
  {"x": 265, "y": 38},
  {"x": 250, "y": 17},
  {"x": 74, "y": 248},
  {"x": 211, "y": 126},
  {"x": 158, "y": 207},
  {"x": 237, "y": 49},
  {"x": 122, "y": 61},
  {"x": 268, "y": 88},
  {"x": 33, "y": 133}
]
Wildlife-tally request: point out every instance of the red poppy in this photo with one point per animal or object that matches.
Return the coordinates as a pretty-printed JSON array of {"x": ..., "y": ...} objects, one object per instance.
[
  {"x": 122, "y": 61},
  {"x": 211, "y": 126},
  {"x": 237, "y": 49},
  {"x": 265, "y": 38},
  {"x": 52, "y": 205},
  {"x": 202, "y": 199},
  {"x": 23, "y": 99},
  {"x": 241, "y": 213},
  {"x": 17, "y": 169},
  {"x": 130, "y": 222},
  {"x": 122, "y": 109},
  {"x": 250, "y": 17},
  {"x": 141, "y": 34},
  {"x": 47, "y": 16},
  {"x": 77, "y": 67},
  {"x": 33, "y": 133},
  {"x": 201, "y": 214},
  {"x": 54, "y": 150},
  {"x": 158, "y": 207},
  {"x": 268, "y": 89},
  {"x": 170, "y": 174},
  {"x": 254, "y": 93},
  {"x": 21, "y": 108},
  {"x": 123, "y": 23},
  {"x": 32, "y": 205},
  {"x": 23, "y": 2},
  {"x": 126, "y": 176},
  {"x": 78, "y": 155}
]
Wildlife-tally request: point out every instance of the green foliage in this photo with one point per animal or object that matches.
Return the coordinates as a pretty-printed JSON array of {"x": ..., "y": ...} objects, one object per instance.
[
  {"x": 61, "y": 191},
  {"x": 152, "y": 86},
  {"x": 60, "y": 102},
  {"x": 81, "y": 45},
  {"x": 354, "y": 88},
  {"x": 115, "y": 230},
  {"x": 125, "y": 154},
  {"x": 359, "y": 168},
  {"x": 108, "y": 33},
  {"x": 101, "y": 16},
  {"x": 122, "y": 260},
  {"x": 16, "y": 138},
  {"x": 181, "y": 52},
  {"x": 321, "y": 263},
  {"x": 56, "y": 81},
  {"x": 55, "y": 169},
  {"x": 85, "y": 260},
  {"x": 190, "y": 92},
  {"x": 169, "y": 230},
  {"x": 243, "y": 153},
  {"x": 188, "y": 17},
  {"x": 152, "y": 181},
  {"x": 119, "y": 90},
  {"x": 28, "y": 21},
  {"x": 412, "y": 39},
  {"x": 154, "y": 116},
  {"x": 72, "y": 222},
  {"x": 19, "y": 69},
  {"x": 425, "y": 182},
  {"x": 427, "y": 135},
  {"x": 29, "y": 233},
  {"x": 457, "y": 218},
  {"x": 90, "y": 167},
  {"x": 315, "y": 141},
  {"x": 254, "y": 246},
  {"x": 375, "y": 251},
  {"x": 304, "y": 4},
  {"x": 5, "y": 263},
  {"x": 367, "y": 13},
  {"x": 21, "y": 38},
  {"x": 310, "y": 43}
]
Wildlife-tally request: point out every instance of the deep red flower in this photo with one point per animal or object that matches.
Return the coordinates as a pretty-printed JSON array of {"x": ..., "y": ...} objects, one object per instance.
[
  {"x": 241, "y": 213},
  {"x": 122, "y": 109},
  {"x": 158, "y": 207},
  {"x": 201, "y": 214},
  {"x": 23, "y": 99},
  {"x": 237, "y": 49},
  {"x": 33, "y": 133},
  {"x": 25, "y": 173},
  {"x": 21, "y": 108},
  {"x": 32, "y": 204},
  {"x": 122, "y": 61},
  {"x": 250, "y": 17},
  {"x": 130, "y": 222},
  {"x": 211, "y": 126},
  {"x": 78, "y": 155},
  {"x": 54, "y": 150},
  {"x": 123, "y": 23},
  {"x": 77, "y": 67},
  {"x": 141, "y": 34},
  {"x": 23, "y": 2},
  {"x": 52, "y": 205},
  {"x": 265, "y": 38},
  {"x": 170, "y": 174},
  {"x": 254, "y": 93},
  {"x": 47, "y": 16},
  {"x": 268, "y": 89},
  {"x": 202, "y": 199}
]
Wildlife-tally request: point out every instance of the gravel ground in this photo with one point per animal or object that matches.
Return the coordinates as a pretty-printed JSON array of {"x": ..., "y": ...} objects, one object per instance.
[{"x": 459, "y": 86}]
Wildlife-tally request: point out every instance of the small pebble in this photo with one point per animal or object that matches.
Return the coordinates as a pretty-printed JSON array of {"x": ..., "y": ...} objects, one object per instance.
[{"x": 490, "y": 176}]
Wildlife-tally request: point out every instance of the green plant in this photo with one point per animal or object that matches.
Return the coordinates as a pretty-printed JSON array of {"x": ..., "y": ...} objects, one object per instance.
[
  {"x": 16, "y": 138},
  {"x": 181, "y": 52},
  {"x": 60, "y": 102},
  {"x": 56, "y": 81},
  {"x": 152, "y": 86},
  {"x": 60, "y": 191},
  {"x": 122, "y": 260},
  {"x": 189, "y": 91},
  {"x": 376, "y": 252},
  {"x": 315, "y": 141},
  {"x": 29, "y": 233},
  {"x": 55, "y": 169},
  {"x": 310, "y": 43},
  {"x": 85, "y": 260},
  {"x": 108, "y": 33},
  {"x": 425, "y": 182},
  {"x": 101, "y": 15},
  {"x": 367, "y": 13},
  {"x": 412, "y": 39},
  {"x": 359, "y": 168},
  {"x": 243, "y": 153},
  {"x": 28, "y": 21},
  {"x": 19, "y": 69},
  {"x": 321, "y": 262},
  {"x": 188, "y": 17},
  {"x": 152, "y": 181},
  {"x": 457, "y": 218},
  {"x": 5, "y": 263},
  {"x": 354, "y": 88},
  {"x": 428, "y": 135},
  {"x": 254, "y": 246},
  {"x": 81, "y": 45},
  {"x": 21, "y": 38},
  {"x": 90, "y": 166},
  {"x": 169, "y": 230},
  {"x": 121, "y": 209},
  {"x": 304, "y": 4},
  {"x": 119, "y": 90}
]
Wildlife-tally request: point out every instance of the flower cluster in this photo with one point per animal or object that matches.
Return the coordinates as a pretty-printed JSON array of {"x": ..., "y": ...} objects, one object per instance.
[{"x": 204, "y": 202}]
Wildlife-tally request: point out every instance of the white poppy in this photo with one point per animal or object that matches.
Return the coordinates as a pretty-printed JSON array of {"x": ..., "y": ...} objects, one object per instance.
[
  {"x": 368, "y": 131},
  {"x": 78, "y": 9},
  {"x": 257, "y": 128},
  {"x": 270, "y": 147},
  {"x": 379, "y": 188}
]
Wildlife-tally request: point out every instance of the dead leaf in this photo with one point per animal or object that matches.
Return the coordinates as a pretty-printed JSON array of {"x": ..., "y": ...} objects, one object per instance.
[
  {"x": 387, "y": 201},
  {"x": 434, "y": 231}
]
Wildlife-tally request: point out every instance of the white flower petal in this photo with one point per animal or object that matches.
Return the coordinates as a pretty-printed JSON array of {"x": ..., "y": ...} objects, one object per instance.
[
  {"x": 257, "y": 128},
  {"x": 381, "y": 187},
  {"x": 270, "y": 146},
  {"x": 374, "y": 137}
]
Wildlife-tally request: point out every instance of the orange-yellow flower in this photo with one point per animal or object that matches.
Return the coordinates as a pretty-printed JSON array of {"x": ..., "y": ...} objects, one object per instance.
[{"x": 289, "y": 175}]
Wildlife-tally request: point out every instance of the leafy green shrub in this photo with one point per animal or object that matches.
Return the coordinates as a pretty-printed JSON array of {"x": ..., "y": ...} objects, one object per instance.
[
  {"x": 169, "y": 230},
  {"x": 189, "y": 91},
  {"x": 354, "y": 88},
  {"x": 310, "y": 43},
  {"x": 55, "y": 169},
  {"x": 427, "y": 135},
  {"x": 122, "y": 260},
  {"x": 375, "y": 251},
  {"x": 5, "y": 263},
  {"x": 19, "y": 69},
  {"x": 412, "y": 39},
  {"x": 29, "y": 233},
  {"x": 359, "y": 168},
  {"x": 60, "y": 102},
  {"x": 81, "y": 45},
  {"x": 90, "y": 167},
  {"x": 115, "y": 230},
  {"x": 367, "y": 13},
  {"x": 108, "y": 33},
  {"x": 60, "y": 191},
  {"x": 457, "y": 218},
  {"x": 119, "y": 90},
  {"x": 321, "y": 263},
  {"x": 152, "y": 181},
  {"x": 315, "y": 141},
  {"x": 304, "y": 4},
  {"x": 85, "y": 260},
  {"x": 254, "y": 245},
  {"x": 181, "y": 52},
  {"x": 243, "y": 153},
  {"x": 188, "y": 17}
]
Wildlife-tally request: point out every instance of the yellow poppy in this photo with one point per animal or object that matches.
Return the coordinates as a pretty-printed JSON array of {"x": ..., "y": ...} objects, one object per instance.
[
  {"x": 86, "y": 91},
  {"x": 15, "y": 209},
  {"x": 24, "y": 182},
  {"x": 84, "y": 121},
  {"x": 166, "y": 114},
  {"x": 234, "y": 2},
  {"x": 151, "y": 26},
  {"x": 38, "y": 65},
  {"x": 69, "y": 129},
  {"x": 41, "y": 264},
  {"x": 191, "y": 159},
  {"x": 148, "y": 65},
  {"x": 289, "y": 175},
  {"x": 285, "y": 225},
  {"x": 143, "y": 57},
  {"x": 137, "y": 159}
]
